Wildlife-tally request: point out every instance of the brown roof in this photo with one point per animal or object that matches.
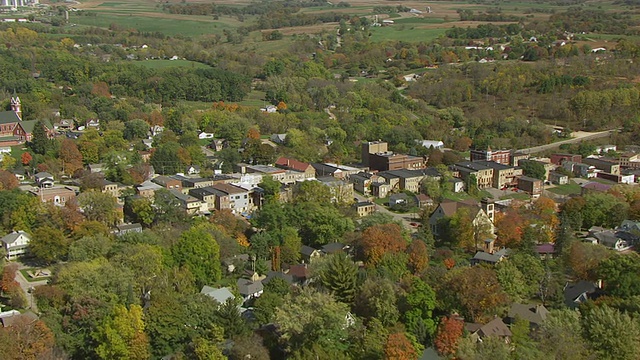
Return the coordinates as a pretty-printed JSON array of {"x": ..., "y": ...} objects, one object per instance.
[
  {"x": 299, "y": 271},
  {"x": 229, "y": 189},
  {"x": 495, "y": 327},
  {"x": 450, "y": 207},
  {"x": 292, "y": 164}
]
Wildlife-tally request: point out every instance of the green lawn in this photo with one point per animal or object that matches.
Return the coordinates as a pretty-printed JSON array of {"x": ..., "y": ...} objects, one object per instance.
[
  {"x": 255, "y": 99},
  {"x": 162, "y": 64},
  {"x": 408, "y": 32},
  {"x": 29, "y": 278},
  {"x": 567, "y": 189}
]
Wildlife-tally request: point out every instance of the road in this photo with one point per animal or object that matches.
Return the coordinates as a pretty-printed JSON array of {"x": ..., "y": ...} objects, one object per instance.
[
  {"x": 577, "y": 136},
  {"x": 26, "y": 285}
]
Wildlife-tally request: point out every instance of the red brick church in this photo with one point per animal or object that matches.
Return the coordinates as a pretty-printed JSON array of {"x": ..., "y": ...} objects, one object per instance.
[{"x": 13, "y": 130}]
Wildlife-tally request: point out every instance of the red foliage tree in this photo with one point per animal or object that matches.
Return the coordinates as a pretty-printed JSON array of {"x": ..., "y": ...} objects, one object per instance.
[
  {"x": 378, "y": 240},
  {"x": 26, "y": 158},
  {"x": 70, "y": 156},
  {"x": 26, "y": 339},
  {"x": 510, "y": 227},
  {"x": 447, "y": 336},
  {"x": 253, "y": 134}
]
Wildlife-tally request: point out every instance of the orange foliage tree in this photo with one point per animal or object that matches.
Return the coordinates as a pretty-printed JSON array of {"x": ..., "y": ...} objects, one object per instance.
[
  {"x": 449, "y": 332},
  {"x": 70, "y": 156},
  {"x": 510, "y": 227},
  {"x": 399, "y": 347},
  {"x": 8, "y": 181},
  {"x": 418, "y": 256},
  {"x": 253, "y": 133},
  {"x": 26, "y": 158},
  {"x": 378, "y": 240},
  {"x": 26, "y": 340}
]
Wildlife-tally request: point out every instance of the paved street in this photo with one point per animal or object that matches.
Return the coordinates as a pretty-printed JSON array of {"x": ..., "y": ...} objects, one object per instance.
[{"x": 576, "y": 137}]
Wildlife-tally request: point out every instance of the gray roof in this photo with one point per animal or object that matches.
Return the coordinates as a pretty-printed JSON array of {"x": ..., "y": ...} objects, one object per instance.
[
  {"x": 220, "y": 295},
  {"x": 277, "y": 274},
  {"x": 124, "y": 227},
  {"x": 248, "y": 287},
  {"x": 333, "y": 247},
  {"x": 495, "y": 327},
  {"x": 8, "y": 117},
  {"x": 577, "y": 293},
  {"x": 307, "y": 250},
  {"x": 483, "y": 256},
  {"x": 534, "y": 314},
  {"x": 12, "y": 237}
]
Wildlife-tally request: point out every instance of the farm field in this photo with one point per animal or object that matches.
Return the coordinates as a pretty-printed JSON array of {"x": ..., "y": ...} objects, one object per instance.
[{"x": 163, "y": 64}]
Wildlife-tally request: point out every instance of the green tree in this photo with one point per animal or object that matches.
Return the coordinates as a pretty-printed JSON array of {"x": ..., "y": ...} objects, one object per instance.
[
  {"x": 377, "y": 299},
  {"x": 229, "y": 318},
  {"x": 142, "y": 210},
  {"x": 49, "y": 244},
  {"x": 271, "y": 189},
  {"x": 122, "y": 336},
  {"x": 90, "y": 247},
  {"x": 339, "y": 277},
  {"x": 40, "y": 142},
  {"x": 135, "y": 129},
  {"x": 199, "y": 252},
  {"x": 602, "y": 327},
  {"x": 320, "y": 225},
  {"x": 98, "y": 206},
  {"x": 419, "y": 303},
  {"x": 312, "y": 191},
  {"x": 167, "y": 208},
  {"x": 621, "y": 275}
]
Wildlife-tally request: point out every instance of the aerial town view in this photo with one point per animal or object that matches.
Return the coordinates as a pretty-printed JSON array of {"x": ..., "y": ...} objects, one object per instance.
[{"x": 317, "y": 180}]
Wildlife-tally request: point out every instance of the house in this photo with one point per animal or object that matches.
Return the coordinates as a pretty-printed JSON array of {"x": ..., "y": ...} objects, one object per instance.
[
  {"x": 309, "y": 254},
  {"x": 168, "y": 182},
  {"x": 218, "y": 144},
  {"x": 57, "y": 195},
  {"x": 629, "y": 160},
  {"x": 630, "y": 226},
  {"x": 482, "y": 173},
  {"x": 220, "y": 295},
  {"x": 457, "y": 185},
  {"x": 482, "y": 215},
  {"x": 610, "y": 239},
  {"x": 300, "y": 274},
  {"x": 232, "y": 197},
  {"x": 147, "y": 189},
  {"x": 93, "y": 124},
  {"x": 400, "y": 199},
  {"x": 560, "y": 158},
  {"x": 205, "y": 135},
  {"x": 269, "y": 109},
  {"x": 558, "y": 178},
  {"x": 128, "y": 228},
  {"x": 15, "y": 244},
  {"x": 206, "y": 195},
  {"x": 410, "y": 180},
  {"x": 334, "y": 248},
  {"x": 323, "y": 170},
  {"x": 364, "y": 208},
  {"x": 156, "y": 130},
  {"x": 503, "y": 175},
  {"x": 577, "y": 293},
  {"x": 546, "y": 251},
  {"x": 192, "y": 170},
  {"x": 362, "y": 181},
  {"x": 250, "y": 288},
  {"x": 295, "y": 165},
  {"x": 64, "y": 125},
  {"x": 189, "y": 203},
  {"x": 482, "y": 257},
  {"x": 495, "y": 327},
  {"x": 341, "y": 191},
  {"x": 278, "y": 138},
  {"x": 499, "y": 156},
  {"x": 9, "y": 318},
  {"x": 380, "y": 190},
  {"x": 96, "y": 168},
  {"x": 606, "y": 148},
  {"x": 535, "y": 314},
  {"x": 287, "y": 277},
  {"x": 530, "y": 185},
  {"x": 43, "y": 179},
  {"x": 435, "y": 144}
]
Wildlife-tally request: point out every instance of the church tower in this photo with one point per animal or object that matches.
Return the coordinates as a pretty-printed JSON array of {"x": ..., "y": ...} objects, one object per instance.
[{"x": 16, "y": 106}]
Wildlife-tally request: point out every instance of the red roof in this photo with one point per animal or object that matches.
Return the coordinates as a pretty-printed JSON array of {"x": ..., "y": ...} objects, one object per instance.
[{"x": 292, "y": 164}]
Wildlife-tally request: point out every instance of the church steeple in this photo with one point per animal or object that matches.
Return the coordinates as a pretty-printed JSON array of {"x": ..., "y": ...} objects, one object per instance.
[{"x": 16, "y": 106}]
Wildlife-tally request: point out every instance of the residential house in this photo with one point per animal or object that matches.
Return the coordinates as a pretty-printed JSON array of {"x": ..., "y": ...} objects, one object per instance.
[
  {"x": 629, "y": 160},
  {"x": 364, "y": 208},
  {"x": 217, "y": 144},
  {"x": 205, "y": 135},
  {"x": 207, "y": 197},
  {"x": 56, "y": 195},
  {"x": 495, "y": 327},
  {"x": 93, "y": 124},
  {"x": 483, "y": 173},
  {"x": 607, "y": 166},
  {"x": 147, "y": 189},
  {"x": 43, "y": 179},
  {"x": 111, "y": 188},
  {"x": 423, "y": 200},
  {"x": 232, "y": 197},
  {"x": 192, "y": 183},
  {"x": 192, "y": 170},
  {"x": 380, "y": 190},
  {"x": 457, "y": 185},
  {"x": 128, "y": 228},
  {"x": 334, "y": 248},
  {"x": 250, "y": 288},
  {"x": 309, "y": 254},
  {"x": 400, "y": 199},
  {"x": 96, "y": 168},
  {"x": 630, "y": 226},
  {"x": 220, "y": 295},
  {"x": 341, "y": 191},
  {"x": 577, "y": 293},
  {"x": 64, "y": 125},
  {"x": 323, "y": 170},
  {"x": 156, "y": 130},
  {"x": 279, "y": 138},
  {"x": 10, "y": 318},
  {"x": 503, "y": 175},
  {"x": 535, "y": 314},
  {"x": 300, "y": 274},
  {"x": 15, "y": 244},
  {"x": 482, "y": 215},
  {"x": 558, "y": 178},
  {"x": 579, "y": 169},
  {"x": 295, "y": 165},
  {"x": 189, "y": 203},
  {"x": 288, "y": 278},
  {"x": 482, "y": 257},
  {"x": 516, "y": 157},
  {"x": 410, "y": 180},
  {"x": 347, "y": 171},
  {"x": 530, "y": 185},
  {"x": 168, "y": 182},
  {"x": 610, "y": 239},
  {"x": 546, "y": 251},
  {"x": 603, "y": 149},
  {"x": 362, "y": 182}
]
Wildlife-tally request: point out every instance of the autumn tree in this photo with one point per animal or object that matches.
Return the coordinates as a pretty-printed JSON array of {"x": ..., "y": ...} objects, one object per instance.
[
  {"x": 122, "y": 335},
  {"x": 477, "y": 291},
  {"x": 378, "y": 240},
  {"x": 418, "y": 256},
  {"x": 98, "y": 206},
  {"x": 510, "y": 227},
  {"x": 8, "y": 181},
  {"x": 449, "y": 332},
  {"x": 399, "y": 347},
  {"x": 26, "y": 158},
  {"x": 583, "y": 259},
  {"x": 26, "y": 339},
  {"x": 70, "y": 156}
]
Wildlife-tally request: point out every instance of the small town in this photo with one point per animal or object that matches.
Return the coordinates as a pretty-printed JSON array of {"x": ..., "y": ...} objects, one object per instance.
[{"x": 288, "y": 179}]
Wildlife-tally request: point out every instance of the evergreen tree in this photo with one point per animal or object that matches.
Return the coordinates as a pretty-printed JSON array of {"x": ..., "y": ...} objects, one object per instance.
[
  {"x": 339, "y": 277},
  {"x": 39, "y": 139}
]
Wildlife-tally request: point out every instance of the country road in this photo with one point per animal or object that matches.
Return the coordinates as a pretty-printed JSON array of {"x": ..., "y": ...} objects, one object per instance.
[{"x": 577, "y": 136}]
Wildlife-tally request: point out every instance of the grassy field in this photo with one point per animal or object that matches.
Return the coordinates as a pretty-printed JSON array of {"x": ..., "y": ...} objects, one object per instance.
[
  {"x": 255, "y": 98},
  {"x": 163, "y": 64},
  {"x": 405, "y": 33},
  {"x": 568, "y": 189}
]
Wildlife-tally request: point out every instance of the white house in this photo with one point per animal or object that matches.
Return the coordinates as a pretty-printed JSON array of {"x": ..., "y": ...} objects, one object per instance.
[
  {"x": 15, "y": 244},
  {"x": 205, "y": 135},
  {"x": 436, "y": 144}
]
